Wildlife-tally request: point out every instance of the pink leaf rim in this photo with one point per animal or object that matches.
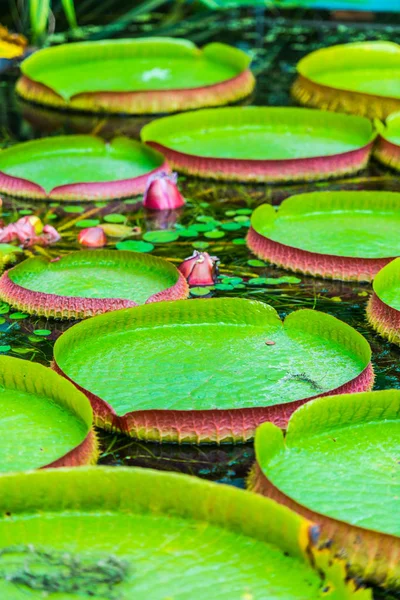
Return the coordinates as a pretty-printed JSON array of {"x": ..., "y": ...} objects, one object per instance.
[
  {"x": 384, "y": 319},
  {"x": 387, "y": 153},
  {"x": 86, "y": 453},
  {"x": 108, "y": 190},
  {"x": 371, "y": 555},
  {"x": 74, "y": 307},
  {"x": 326, "y": 266},
  {"x": 204, "y": 426},
  {"x": 142, "y": 103},
  {"x": 271, "y": 171},
  {"x": 317, "y": 95}
]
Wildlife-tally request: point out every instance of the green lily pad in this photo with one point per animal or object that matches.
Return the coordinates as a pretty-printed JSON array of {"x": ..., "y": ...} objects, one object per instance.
[
  {"x": 87, "y": 223},
  {"x": 6, "y": 249},
  {"x": 52, "y": 167},
  {"x": 115, "y": 218},
  {"x": 133, "y": 65},
  {"x": 163, "y": 236},
  {"x": 219, "y": 143},
  {"x": 361, "y": 227},
  {"x": 338, "y": 460},
  {"x": 134, "y": 246},
  {"x": 83, "y": 283},
  {"x": 126, "y": 533},
  {"x": 145, "y": 360},
  {"x": 383, "y": 309},
  {"x": 352, "y": 224},
  {"x": 368, "y": 68},
  {"x": 45, "y": 419}
]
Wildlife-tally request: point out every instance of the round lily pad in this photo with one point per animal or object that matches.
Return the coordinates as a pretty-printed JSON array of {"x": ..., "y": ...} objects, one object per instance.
[
  {"x": 78, "y": 167},
  {"x": 383, "y": 309},
  {"x": 360, "y": 78},
  {"x": 136, "y": 76},
  {"x": 387, "y": 149},
  {"x": 113, "y": 533},
  {"x": 337, "y": 235},
  {"x": 201, "y": 371},
  {"x": 86, "y": 283},
  {"x": 46, "y": 420},
  {"x": 262, "y": 143},
  {"x": 338, "y": 465}
]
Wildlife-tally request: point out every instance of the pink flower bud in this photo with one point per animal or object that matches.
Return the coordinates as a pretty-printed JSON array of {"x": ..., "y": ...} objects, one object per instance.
[
  {"x": 92, "y": 237},
  {"x": 200, "y": 269},
  {"x": 50, "y": 235},
  {"x": 8, "y": 234},
  {"x": 162, "y": 192}
]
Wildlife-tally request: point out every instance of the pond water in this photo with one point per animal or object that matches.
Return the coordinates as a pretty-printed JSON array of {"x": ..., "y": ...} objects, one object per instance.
[{"x": 220, "y": 216}]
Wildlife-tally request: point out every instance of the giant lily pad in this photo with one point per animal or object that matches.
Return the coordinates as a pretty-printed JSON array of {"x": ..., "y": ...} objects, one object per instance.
[
  {"x": 208, "y": 370},
  {"x": 86, "y": 283},
  {"x": 262, "y": 143},
  {"x": 45, "y": 420},
  {"x": 136, "y": 533},
  {"x": 77, "y": 167},
  {"x": 337, "y": 235},
  {"x": 338, "y": 465},
  {"x": 149, "y": 75},
  {"x": 387, "y": 149},
  {"x": 383, "y": 310},
  {"x": 360, "y": 78}
]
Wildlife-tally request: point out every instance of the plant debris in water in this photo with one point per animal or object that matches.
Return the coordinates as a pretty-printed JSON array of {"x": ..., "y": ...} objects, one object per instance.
[{"x": 52, "y": 571}]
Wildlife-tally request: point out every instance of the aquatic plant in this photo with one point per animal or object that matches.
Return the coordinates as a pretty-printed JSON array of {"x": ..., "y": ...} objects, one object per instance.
[
  {"x": 205, "y": 371},
  {"x": 136, "y": 76},
  {"x": 383, "y": 309},
  {"x": 251, "y": 143},
  {"x": 148, "y": 524},
  {"x": 200, "y": 269},
  {"x": 359, "y": 78},
  {"x": 78, "y": 167},
  {"x": 92, "y": 237},
  {"x": 337, "y": 465},
  {"x": 48, "y": 422},
  {"x": 162, "y": 192},
  {"x": 86, "y": 283},
  {"x": 337, "y": 235}
]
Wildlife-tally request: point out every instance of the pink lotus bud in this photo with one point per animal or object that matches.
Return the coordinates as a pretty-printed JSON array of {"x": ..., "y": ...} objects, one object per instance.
[
  {"x": 200, "y": 269},
  {"x": 25, "y": 231},
  {"x": 162, "y": 192},
  {"x": 8, "y": 234},
  {"x": 92, "y": 237},
  {"x": 50, "y": 235}
]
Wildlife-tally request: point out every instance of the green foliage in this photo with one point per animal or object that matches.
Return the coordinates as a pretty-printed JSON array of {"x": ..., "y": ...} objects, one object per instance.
[{"x": 39, "y": 14}]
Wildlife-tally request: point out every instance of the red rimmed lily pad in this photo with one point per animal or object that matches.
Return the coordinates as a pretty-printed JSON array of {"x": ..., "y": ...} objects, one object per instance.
[
  {"x": 338, "y": 465},
  {"x": 383, "y": 309},
  {"x": 337, "y": 235},
  {"x": 360, "y": 78},
  {"x": 205, "y": 370},
  {"x": 137, "y": 533},
  {"x": 78, "y": 167},
  {"x": 262, "y": 143},
  {"x": 45, "y": 420},
  {"x": 140, "y": 76},
  {"x": 87, "y": 283},
  {"x": 387, "y": 149}
]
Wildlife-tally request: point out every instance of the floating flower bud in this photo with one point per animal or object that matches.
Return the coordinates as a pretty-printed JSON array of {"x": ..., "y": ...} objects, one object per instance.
[
  {"x": 162, "y": 192},
  {"x": 50, "y": 235},
  {"x": 92, "y": 237},
  {"x": 200, "y": 269}
]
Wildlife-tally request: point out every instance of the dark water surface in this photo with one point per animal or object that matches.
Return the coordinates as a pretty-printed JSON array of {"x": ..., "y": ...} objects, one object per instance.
[{"x": 276, "y": 46}]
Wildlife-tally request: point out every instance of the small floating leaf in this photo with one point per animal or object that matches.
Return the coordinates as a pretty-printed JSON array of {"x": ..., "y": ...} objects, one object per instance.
[
  {"x": 73, "y": 209},
  {"x": 231, "y": 226},
  {"x": 200, "y": 291},
  {"x": 200, "y": 245},
  {"x": 18, "y": 316},
  {"x": 42, "y": 332},
  {"x": 115, "y": 218},
  {"x": 163, "y": 236},
  {"x": 254, "y": 262},
  {"x": 215, "y": 234},
  {"x": 239, "y": 241},
  {"x": 5, "y": 348},
  {"x": 134, "y": 246},
  {"x": 87, "y": 223}
]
